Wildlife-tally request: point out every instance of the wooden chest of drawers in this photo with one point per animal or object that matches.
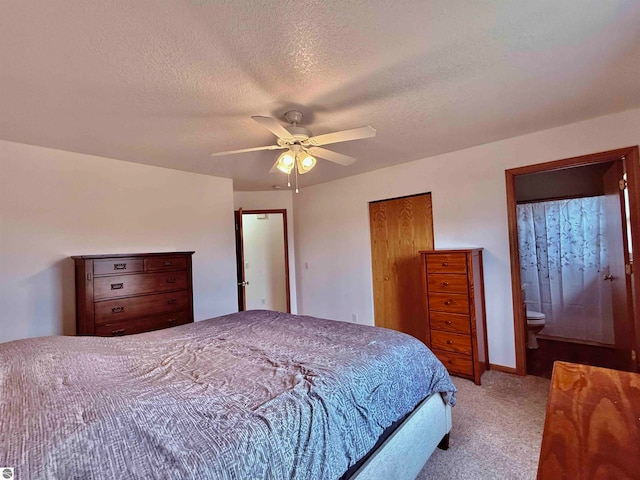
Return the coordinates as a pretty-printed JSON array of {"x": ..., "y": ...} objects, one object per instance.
[
  {"x": 455, "y": 311},
  {"x": 132, "y": 293}
]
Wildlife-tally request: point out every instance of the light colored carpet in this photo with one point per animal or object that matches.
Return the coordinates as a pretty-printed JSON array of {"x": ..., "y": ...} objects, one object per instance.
[{"x": 497, "y": 430}]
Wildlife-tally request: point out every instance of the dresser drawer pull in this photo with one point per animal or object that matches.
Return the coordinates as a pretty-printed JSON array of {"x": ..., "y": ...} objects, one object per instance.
[
  {"x": 445, "y": 264},
  {"x": 119, "y": 266},
  {"x": 171, "y": 321},
  {"x": 171, "y": 280},
  {"x": 449, "y": 342},
  {"x": 448, "y": 302},
  {"x": 171, "y": 301},
  {"x": 168, "y": 263},
  {"x": 117, "y": 286},
  {"x": 117, "y": 333},
  {"x": 117, "y": 310},
  {"x": 445, "y": 284},
  {"x": 448, "y": 322}
]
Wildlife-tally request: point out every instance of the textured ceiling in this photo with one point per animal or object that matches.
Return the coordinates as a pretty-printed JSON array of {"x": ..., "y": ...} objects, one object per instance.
[{"x": 166, "y": 83}]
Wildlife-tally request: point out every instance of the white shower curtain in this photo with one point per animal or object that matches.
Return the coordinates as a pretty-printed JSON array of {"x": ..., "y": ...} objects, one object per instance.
[{"x": 563, "y": 257}]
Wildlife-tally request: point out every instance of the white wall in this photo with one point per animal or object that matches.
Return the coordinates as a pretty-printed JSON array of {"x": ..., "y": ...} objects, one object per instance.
[
  {"x": 469, "y": 209},
  {"x": 275, "y": 200},
  {"x": 54, "y": 204}
]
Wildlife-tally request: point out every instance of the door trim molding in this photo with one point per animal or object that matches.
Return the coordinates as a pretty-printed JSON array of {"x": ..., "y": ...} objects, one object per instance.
[
  {"x": 632, "y": 168},
  {"x": 282, "y": 211}
]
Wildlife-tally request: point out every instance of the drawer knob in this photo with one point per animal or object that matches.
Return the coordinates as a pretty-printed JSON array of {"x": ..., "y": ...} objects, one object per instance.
[
  {"x": 171, "y": 280},
  {"x": 445, "y": 284},
  {"x": 117, "y": 286},
  {"x": 449, "y": 342},
  {"x": 117, "y": 310},
  {"x": 171, "y": 321},
  {"x": 445, "y": 264},
  {"x": 171, "y": 301},
  {"x": 119, "y": 266},
  {"x": 117, "y": 333},
  {"x": 167, "y": 263},
  {"x": 448, "y": 322},
  {"x": 448, "y": 302},
  {"x": 450, "y": 362}
]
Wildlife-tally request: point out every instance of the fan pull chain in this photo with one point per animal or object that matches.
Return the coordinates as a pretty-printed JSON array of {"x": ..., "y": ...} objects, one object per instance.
[
  {"x": 289, "y": 180},
  {"x": 297, "y": 191}
]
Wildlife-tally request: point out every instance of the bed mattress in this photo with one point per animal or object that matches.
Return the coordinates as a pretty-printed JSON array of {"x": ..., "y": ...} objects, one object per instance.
[{"x": 252, "y": 395}]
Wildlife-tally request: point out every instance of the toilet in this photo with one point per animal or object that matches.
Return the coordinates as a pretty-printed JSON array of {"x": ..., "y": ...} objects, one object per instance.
[{"x": 535, "y": 323}]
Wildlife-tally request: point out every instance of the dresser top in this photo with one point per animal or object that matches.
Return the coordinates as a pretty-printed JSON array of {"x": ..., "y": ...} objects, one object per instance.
[
  {"x": 452, "y": 250},
  {"x": 592, "y": 426},
  {"x": 122, "y": 255}
]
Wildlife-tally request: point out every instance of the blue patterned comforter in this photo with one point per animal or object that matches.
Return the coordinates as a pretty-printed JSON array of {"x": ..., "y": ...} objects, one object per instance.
[{"x": 253, "y": 395}]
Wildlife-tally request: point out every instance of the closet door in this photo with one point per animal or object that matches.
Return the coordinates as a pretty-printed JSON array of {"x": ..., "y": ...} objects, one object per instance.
[{"x": 400, "y": 228}]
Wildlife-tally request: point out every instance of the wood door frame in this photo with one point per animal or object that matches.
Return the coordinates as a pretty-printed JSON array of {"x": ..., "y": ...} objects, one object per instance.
[
  {"x": 631, "y": 161},
  {"x": 282, "y": 211}
]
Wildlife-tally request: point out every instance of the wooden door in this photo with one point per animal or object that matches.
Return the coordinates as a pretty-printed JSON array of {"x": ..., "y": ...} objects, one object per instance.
[
  {"x": 240, "y": 262},
  {"x": 399, "y": 229},
  {"x": 616, "y": 237}
]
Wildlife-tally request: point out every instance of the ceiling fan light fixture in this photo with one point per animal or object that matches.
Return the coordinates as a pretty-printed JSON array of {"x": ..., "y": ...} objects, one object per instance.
[
  {"x": 305, "y": 163},
  {"x": 286, "y": 162},
  {"x": 297, "y": 141}
]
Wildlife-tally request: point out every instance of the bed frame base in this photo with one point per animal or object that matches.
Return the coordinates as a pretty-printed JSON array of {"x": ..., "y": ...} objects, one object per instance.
[{"x": 405, "y": 452}]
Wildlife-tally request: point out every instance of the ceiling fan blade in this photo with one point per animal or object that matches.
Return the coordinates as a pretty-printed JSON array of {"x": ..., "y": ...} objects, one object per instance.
[
  {"x": 332, "y": 156},
  {"x": 343, "y": 136},
  {"x": 272, "y": 125},
  {"x": 243, "y": 150}
]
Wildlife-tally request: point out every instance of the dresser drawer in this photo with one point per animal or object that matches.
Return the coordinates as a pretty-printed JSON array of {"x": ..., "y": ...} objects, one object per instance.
[
  {"x": 455, "y": 362},
  {"x": 451, "y": 342},
  {"x": 450, "y": 322},
  {"x": 447, "y": 263},
  {"x": 153, "y": 264},
  {"x": 110, "y": 311},
  {"x": 141, "y": 325},
  {"x": 449, "y": 302},
  {"x": 451, "y": 283},
  {"x": 126, "y": 285},
  {"x": 118, "y": 266}
]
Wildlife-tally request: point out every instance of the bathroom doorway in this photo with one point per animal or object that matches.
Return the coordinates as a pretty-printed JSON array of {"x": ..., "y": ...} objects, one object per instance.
[
  {"x": 571, "y": 259},
  {"x": 262, "y": 260}
]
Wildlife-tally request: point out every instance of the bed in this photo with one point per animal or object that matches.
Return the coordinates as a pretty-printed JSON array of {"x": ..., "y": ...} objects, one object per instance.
[{"x": 251, "y": 395}]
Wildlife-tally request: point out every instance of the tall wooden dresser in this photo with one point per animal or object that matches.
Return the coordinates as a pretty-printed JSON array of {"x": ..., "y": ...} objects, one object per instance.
[
  {"x": 132, "y": 293},
  {"x": 455, "y": 310}
]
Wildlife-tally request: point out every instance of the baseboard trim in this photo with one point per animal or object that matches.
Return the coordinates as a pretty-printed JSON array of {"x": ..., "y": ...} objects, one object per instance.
[{"x": 502, "y": 368}]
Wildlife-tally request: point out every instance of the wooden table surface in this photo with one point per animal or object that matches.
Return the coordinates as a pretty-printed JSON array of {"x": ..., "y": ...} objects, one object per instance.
[{"x": 592, "y": 426}]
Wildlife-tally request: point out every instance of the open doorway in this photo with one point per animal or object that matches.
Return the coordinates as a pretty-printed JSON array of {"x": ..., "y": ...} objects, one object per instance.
[
  {"x": 572, "y": 239},
  {"x": 262, "y": 260}
]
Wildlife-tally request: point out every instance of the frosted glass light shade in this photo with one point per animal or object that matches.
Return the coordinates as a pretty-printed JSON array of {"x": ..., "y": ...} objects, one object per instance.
[
  {"x": 305, "y": 162},
  {"x": 286, "y": 162}
]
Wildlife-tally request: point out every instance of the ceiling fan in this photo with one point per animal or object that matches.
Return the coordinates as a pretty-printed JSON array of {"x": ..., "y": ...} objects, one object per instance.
[{"x": 301, "y": 147}]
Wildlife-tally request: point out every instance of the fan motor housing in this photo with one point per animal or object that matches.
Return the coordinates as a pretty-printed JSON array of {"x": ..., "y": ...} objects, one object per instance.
[{"x": 300, "y": 134}]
